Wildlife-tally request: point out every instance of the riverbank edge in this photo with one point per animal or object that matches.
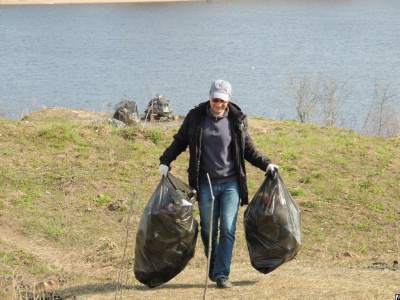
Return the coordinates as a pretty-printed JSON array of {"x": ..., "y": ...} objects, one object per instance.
[{"x": 32, "y": 2}]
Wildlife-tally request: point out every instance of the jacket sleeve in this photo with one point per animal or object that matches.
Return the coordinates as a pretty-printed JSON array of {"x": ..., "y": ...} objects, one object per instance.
[
  {"x": 251, "y": 154},
  {"x": 178, "y": 145}
]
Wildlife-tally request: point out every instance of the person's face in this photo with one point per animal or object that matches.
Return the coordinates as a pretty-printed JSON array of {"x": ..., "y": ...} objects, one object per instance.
[{"x": 218, "y": 106}]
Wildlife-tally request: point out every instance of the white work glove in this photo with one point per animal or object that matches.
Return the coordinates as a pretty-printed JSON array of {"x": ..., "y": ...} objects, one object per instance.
[
  {"x": 273, "y": 169},
  {"x": 163, "y": 170}
]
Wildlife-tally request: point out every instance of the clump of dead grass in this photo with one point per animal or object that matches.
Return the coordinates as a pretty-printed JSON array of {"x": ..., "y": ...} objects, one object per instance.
[{"x": 67, "y": 180}]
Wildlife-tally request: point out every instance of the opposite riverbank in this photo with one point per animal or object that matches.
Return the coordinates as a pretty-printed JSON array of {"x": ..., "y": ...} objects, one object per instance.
[{"x": 31, "y": 2}]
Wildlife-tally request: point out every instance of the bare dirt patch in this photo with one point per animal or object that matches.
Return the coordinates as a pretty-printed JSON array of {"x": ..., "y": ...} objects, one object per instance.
[
  {"x": 341, "y": 277},
  {"x": 65, "y": 184}
]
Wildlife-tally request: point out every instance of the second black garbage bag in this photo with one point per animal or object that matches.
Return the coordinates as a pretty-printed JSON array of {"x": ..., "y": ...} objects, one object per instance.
[
  {"x": 272, "y": 224},
  {"x": 167, "y": 233}
]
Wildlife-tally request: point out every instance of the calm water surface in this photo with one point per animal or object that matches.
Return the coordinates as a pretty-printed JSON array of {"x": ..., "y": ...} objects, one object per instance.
[{"x": 93, "y": 56}]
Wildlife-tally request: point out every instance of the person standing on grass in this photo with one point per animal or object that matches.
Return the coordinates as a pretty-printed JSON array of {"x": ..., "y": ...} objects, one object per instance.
[{"x": 219, "y": 143}]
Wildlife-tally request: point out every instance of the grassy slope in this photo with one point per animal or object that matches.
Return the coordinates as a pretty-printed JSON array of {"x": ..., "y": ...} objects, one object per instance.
[{"x": 72, "y": 189}]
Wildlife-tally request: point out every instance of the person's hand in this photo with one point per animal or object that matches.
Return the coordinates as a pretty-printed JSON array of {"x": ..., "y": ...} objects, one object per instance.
[
  {"x": 163, "y": 170},
  {"x": 272, "y": 169}
]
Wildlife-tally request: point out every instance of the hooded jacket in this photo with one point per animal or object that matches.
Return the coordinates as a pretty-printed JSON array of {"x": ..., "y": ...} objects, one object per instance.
[{"x": 190, "y": 134}]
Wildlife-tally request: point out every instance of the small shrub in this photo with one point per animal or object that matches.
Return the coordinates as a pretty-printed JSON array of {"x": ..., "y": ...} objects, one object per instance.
[
  {"x": 154, "y": 136},
  {"x": 298, "y": 192},
  {"x": 101, "y": 199}
]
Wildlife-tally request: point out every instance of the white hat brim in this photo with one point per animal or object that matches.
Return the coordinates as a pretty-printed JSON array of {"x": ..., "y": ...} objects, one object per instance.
[{"x": 222, "y": 96}]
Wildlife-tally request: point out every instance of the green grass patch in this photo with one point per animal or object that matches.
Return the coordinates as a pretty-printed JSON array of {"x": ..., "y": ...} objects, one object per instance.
[{"x": 67, "y": 185}]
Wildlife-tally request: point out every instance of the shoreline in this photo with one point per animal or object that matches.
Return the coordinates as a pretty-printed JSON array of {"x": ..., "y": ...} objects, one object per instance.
[{"x": 51, "y": 2}]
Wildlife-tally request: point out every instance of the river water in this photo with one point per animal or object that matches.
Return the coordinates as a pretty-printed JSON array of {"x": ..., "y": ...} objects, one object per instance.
[{"x": 92, "y": 56}]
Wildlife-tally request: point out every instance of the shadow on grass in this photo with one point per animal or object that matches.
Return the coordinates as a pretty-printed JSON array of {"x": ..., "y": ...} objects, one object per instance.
[
  {"x": 86, "y": 289},
  {"x": 173, "y": 286},
  {"x": 80, "y": 290}
]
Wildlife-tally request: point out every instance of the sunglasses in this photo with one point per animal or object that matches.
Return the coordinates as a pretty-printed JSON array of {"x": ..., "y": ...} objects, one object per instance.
[{"x": 215, "y": 100}]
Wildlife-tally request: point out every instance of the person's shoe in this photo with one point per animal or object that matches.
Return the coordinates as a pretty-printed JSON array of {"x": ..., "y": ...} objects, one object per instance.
[{"x": 223, "y": 283}]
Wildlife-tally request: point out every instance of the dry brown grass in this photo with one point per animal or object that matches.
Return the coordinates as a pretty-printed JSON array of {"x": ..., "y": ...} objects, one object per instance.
[{"x": 67, "y": 212}]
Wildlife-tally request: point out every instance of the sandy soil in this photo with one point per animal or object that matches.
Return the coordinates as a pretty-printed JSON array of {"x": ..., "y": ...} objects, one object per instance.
[
  {"x": 301, "y": 278},
  {"x": 103, "y": 275},
  {"x": 25, "y": 2}
]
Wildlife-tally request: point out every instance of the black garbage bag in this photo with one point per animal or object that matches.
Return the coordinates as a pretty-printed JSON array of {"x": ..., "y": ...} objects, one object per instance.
[
  {"x": 272, "y": 225},
  {"x": 167, "y": 234}
]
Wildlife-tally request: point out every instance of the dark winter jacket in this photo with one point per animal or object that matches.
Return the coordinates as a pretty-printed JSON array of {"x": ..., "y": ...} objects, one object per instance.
[{"x": 190, "y": 134}]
